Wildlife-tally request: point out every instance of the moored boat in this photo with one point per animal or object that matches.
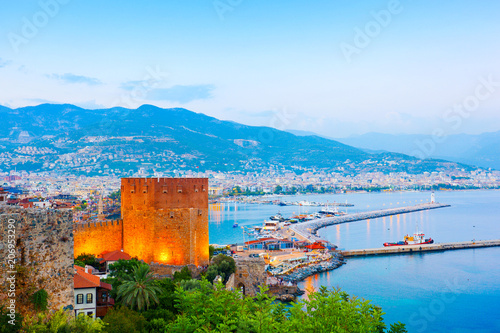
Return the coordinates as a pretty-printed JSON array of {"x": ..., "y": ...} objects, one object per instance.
[{"x": 418, "y": 238}]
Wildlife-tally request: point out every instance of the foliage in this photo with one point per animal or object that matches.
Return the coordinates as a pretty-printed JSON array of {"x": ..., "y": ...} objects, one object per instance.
[
  {"x": 209, "y": 309},
  {"x": 88, "y": 259},
  {"x": 278, "y": 189},
  {"x": 189, "y": 285},
  {"x": 5, "y": 317},
  {"x": 166, "y": 295},
  {"x": 334, "y": 311},
  {"x": 184, "y": 274},
  {"x": 39, "y": 299},
  {"x": 398, "y": 328},
  {"x": 62, "y": 322},
  {"x": 221, "y": 265},
  {"x": 215, "y": 251},
  {"x": 118, "y": 271},
  {"x": 121, "y": 319},
  {"x": 115, "y": 195},
  {"x": 139, "y": 290},
  {"x": 79, "y": 263}
]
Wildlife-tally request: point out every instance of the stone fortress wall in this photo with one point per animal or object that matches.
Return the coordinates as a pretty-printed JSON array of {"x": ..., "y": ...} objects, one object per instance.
[{"x": 42, "y": 252}]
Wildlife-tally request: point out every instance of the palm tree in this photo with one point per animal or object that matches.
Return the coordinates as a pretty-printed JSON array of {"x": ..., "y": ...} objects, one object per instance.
[{"x": 138, "y": 289}]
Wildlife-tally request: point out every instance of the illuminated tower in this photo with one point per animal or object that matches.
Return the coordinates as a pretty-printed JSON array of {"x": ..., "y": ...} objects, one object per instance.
[{"x": 165, "y": 220}]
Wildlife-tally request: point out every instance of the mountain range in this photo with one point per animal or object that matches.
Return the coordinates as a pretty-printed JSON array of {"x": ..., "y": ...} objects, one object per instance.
[
  {"x": 69, "y": 138},
  {"x": 482, "y": 150}
]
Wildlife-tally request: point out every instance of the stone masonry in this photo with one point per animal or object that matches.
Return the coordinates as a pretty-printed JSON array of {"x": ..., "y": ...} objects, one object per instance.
[
  {"x": 41, "y": 254},
  {"x": 249, "y": 275}
]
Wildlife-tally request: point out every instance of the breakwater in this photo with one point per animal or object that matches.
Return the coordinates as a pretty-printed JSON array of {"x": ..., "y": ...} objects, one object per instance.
[
  {"x": 308, "y": 229},
  {"x": 421, "y": 248}
]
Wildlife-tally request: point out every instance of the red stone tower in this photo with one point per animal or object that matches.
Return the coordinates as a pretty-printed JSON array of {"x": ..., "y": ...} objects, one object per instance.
[{"x": 165, "y": 220}]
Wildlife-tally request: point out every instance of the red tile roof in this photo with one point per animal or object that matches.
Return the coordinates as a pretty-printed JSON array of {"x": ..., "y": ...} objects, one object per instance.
[
  {"x": 115, "y": 255},
  {"x": 106, "y": 286},
  {"x": 261, "y": 240},
  {"x": 85, "y": 280}
]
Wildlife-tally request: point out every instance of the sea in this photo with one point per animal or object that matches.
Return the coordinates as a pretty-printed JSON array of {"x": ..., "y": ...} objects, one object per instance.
[{"x": 452, "y": 291}]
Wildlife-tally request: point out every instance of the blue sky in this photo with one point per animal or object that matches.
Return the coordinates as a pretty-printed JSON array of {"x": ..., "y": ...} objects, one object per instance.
[{"x": 334, "y": 67}]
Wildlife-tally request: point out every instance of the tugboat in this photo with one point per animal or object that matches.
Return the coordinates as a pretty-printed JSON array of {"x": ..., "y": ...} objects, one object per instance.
[{"x": 416, "y": 239}]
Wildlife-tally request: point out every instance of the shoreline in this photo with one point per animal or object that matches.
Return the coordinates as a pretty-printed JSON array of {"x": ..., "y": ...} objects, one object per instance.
[{"x": 301, "y": 273}]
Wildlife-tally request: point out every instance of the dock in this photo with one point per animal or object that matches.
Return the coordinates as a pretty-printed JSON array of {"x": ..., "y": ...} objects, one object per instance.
[
  {"x": 420, "y": 248},
  {"x": 308, "y": 229}
]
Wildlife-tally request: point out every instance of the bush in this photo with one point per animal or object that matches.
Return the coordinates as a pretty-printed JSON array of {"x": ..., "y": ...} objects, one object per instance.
[
  {"x": 39, "y": 299},
  {"x": 9, "y": 323},
  {"x": 221, "y": 265},
  {"x": 123, "y": 320}
]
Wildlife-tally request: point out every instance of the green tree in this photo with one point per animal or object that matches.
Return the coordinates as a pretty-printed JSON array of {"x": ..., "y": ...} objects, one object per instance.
[
  {"x": 138, "y": 290},
  {"x": 278, "y": 189},
  {"x": 183, "y": 274},
  {"x": 118, "y": 271},
  {"x": 88, "y": 259},
  {"x": 221, "y": 265},
  {"x": 334, "y": 311},
  {"x": 79, "y": 263},
  {"x": 121, "y": 319},
  {"x": 115, "y": 195},
  {"x": 215, "y": 309}
]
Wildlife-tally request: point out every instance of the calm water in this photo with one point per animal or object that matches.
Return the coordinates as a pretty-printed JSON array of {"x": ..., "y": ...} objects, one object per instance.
[{"x": 454, "y": 291}]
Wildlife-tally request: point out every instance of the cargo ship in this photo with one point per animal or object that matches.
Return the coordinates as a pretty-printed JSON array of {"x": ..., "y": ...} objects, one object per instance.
[{"x": 418, "y": 238}]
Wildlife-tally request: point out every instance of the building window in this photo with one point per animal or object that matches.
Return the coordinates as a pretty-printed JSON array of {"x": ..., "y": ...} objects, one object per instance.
[
  {"x": 79, "y": 299},
  {"x": 90, "y": 313},
  {"x": 89, "y": 298}
]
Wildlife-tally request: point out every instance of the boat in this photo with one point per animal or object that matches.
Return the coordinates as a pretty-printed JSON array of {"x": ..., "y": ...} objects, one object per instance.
[
  {"x": 418, "y": 238},
  {"x": 235, "y": 225},
  {"x": 277, "y": 217},
  {"x": 270, "y": 226}
]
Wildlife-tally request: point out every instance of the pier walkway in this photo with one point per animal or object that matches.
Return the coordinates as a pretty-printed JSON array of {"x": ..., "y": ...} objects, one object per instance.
[
  {"x": 308, "y": 229},
  {"x": 420, "y": 248}
]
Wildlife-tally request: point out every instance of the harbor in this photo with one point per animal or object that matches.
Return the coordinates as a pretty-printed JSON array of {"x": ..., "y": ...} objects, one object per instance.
[{"x": 469, "y": 274}]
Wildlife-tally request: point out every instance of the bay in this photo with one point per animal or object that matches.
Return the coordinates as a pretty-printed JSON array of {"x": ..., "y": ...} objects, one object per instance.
[{"x": 453, "y": 291}]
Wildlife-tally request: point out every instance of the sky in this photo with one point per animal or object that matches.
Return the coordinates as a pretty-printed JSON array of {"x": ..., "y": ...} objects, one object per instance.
[{"x": 338, "y": 68}]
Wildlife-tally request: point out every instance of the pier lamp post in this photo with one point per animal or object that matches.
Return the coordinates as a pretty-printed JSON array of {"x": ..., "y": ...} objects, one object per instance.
[{"x": 473, "y": 233}]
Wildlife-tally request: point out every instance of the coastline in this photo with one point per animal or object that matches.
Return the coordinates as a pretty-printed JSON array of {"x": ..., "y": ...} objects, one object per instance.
[{"x": 300, "y": 273}]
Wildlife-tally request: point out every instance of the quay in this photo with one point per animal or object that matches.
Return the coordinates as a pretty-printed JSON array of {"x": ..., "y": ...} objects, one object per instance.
[
  {"x": 307, "y": 229},
  {"x": 420, "y": 248}
]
